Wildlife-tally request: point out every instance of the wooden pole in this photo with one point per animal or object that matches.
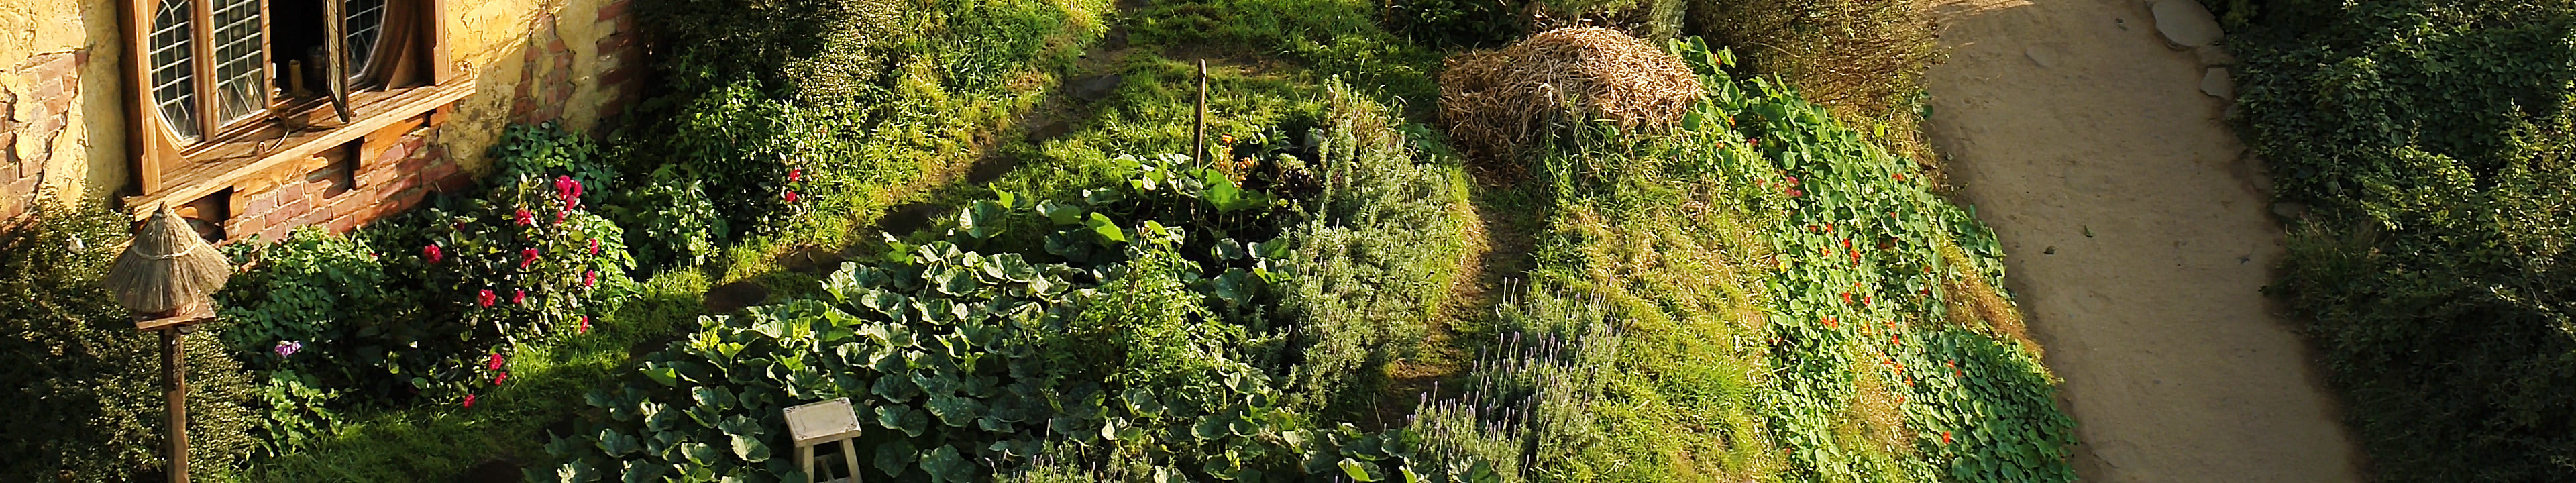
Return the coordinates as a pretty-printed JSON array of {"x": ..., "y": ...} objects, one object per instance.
[
  {"x": 170, "y": 367},
  {"x": 1199, "y": 133}
]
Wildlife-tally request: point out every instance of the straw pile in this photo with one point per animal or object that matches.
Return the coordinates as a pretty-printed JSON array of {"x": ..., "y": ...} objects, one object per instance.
[
  {"x": 1497, "y": 102},
  {"x": 167, "y": 267}
]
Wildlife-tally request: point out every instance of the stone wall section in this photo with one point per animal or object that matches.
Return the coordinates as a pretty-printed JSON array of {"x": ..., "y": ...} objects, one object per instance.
[{"x": 30, "y": 124}]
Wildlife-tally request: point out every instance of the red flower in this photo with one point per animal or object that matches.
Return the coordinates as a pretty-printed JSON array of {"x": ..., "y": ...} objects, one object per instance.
[
  {"x": 585, "y": 325},
  {"x": 1900, "y": 176},
  {"x": 1945, "y": 437},
  {"x": 1829, "y": 322},
  {"x": 469, "y": 400},
  {"x": 1793, "y": 192},
  {"x": 791, "y": 197},
  {"x": 432, "y": 253},
  {"x": 568, "y": 189},
  {"x": 484, "y": 299},
  {"x": 527, "y": 218},
  {"x": 594, "y": 246},
  {"x": 492, "y": 363},
  {"x": 497, "y": 378},
  {"x": 1895, "y": 339},
  {"x": 563, "y": 213},
  {"x": 519, "y": 297},
  {"x": 794, "y": 175},
  {"x": 590, "y": 279},
  {"x": 527, "y": 256},
  {"x": 1847, "y": 297}
]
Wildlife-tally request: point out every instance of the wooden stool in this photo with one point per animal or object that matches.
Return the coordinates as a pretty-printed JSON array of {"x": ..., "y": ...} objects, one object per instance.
[{"x": 824, "y": 422}]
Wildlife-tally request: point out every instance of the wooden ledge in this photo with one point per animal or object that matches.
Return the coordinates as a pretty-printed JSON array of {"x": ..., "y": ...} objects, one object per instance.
[{"x": 188, "y": 184}]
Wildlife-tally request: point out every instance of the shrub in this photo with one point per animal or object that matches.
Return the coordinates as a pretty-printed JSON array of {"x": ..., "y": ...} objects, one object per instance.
[
  {"x": 85, "y": 388},
  {"x": 418, "y": 304},
  {"x": 1376, "y": 252},
  {"x": 2431, "y": 141}
]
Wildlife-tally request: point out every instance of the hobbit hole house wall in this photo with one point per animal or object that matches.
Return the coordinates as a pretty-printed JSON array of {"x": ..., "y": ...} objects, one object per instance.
[{"x": 64, "y": 127}]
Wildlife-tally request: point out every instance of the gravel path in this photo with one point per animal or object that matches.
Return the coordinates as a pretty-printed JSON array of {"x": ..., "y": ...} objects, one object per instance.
[{"x": 2140, "y": 237}]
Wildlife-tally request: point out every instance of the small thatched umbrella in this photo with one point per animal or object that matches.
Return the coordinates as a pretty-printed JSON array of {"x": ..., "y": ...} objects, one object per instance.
[{"x": 167, "y": 268}]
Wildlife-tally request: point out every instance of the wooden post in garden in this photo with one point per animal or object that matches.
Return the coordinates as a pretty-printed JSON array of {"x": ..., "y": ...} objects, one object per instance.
[
  {"x": 1199, "y": 134},
  {"x": 166, "y": 277},
  {"x": 170, "y": 360}
]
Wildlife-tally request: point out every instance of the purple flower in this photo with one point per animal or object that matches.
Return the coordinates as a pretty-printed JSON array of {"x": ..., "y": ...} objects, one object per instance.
[{"x": 288, "y": 348}]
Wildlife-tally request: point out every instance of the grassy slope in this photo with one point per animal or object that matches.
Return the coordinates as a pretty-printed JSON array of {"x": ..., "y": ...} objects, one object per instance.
[{"x": 1760, "y": 344}]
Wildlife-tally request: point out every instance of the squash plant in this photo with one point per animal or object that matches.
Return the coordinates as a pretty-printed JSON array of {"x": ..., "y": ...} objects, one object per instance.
[{"x": 970, "y": 352}]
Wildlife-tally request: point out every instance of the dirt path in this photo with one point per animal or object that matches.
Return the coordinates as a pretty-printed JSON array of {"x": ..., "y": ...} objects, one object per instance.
[{"x": 2075, "y": 129}]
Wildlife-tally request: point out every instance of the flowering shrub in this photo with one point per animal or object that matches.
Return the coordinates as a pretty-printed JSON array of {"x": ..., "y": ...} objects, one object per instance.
[
  {"x": 411, "y": 306},
  {"x": 524, "y": 262}
]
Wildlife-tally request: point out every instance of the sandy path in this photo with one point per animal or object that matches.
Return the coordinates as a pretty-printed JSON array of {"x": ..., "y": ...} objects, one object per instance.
[{"x": 2063, "y": 117}]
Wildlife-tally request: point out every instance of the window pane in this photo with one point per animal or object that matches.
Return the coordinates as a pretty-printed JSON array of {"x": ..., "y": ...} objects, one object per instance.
[
  {"x": 239, "y": 81},
  {"x": 174, "y": 79},
  {"x": 365, "y": 19}
]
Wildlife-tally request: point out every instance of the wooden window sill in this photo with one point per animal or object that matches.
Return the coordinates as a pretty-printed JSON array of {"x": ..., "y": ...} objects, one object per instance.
[{"x": 231, "y": 158}]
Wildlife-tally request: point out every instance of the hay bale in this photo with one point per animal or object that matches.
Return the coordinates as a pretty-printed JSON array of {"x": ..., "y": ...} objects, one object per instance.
[{"x": 1498, "y": 102}]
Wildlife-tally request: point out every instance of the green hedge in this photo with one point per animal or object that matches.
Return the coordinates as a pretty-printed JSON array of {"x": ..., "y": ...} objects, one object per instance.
[
  {"x": 84, "y": 388},
  {"x": 2432, "y": 143}
]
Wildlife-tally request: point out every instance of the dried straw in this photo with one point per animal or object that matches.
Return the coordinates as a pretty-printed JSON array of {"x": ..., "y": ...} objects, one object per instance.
[
  {"x": 167, "y": 267},
  {"x": 1499, "y": 101}
]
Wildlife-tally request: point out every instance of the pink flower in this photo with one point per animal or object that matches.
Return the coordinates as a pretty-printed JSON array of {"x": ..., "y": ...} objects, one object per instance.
[
  {"x": 519, "y": 297},
  {"x": 432, "y": 253},
  {"x": 794, "y": 175},
  {"x": 594, "y": 246},
  {"x": 497, "y": 378},
  {"x": 590, "y": 279},
  {"x": 469, "y": 400},
  {"x": 527, "y": 256},
  {"x": 585, "y": 325},
  {"x": 563, "y": 213},
  {"x": 791, "y": 197},
  {"x": 288, "y": 348},
  {"x": 492, "y": 363},
  {"x": 527, "y": 218},
  {"x": 484, "y": 299}
]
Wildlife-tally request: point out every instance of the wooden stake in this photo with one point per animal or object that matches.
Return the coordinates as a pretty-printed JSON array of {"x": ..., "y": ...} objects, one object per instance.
[
  {"x": 170, "y": 368},
  {"x": 1199, "y": 134}
]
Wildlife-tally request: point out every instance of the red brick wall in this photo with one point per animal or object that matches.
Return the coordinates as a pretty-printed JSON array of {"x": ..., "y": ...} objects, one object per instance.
[
  {"x": 396, "y": 175},
  {"x": 56, "y": 79}
]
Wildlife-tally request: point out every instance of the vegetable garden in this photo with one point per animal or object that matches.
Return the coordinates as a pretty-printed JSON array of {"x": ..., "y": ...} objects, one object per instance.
[{"x": 1762, "y": 291}]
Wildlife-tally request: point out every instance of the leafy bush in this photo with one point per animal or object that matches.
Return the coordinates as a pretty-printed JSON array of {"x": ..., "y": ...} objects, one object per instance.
[
  {"x": 2430, "y": 140},
  {"x": 85, "y": 388},
  {"x": 1471, "y": 24},
  {"x": 417, "y": 305},
  {"x": 1377, "y": 252}
]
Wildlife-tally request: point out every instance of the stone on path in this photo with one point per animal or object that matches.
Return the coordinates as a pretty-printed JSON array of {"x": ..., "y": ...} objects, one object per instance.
[
  {"x": 2216, "y": 83},
  {"x": 2185, "y": 23}
]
